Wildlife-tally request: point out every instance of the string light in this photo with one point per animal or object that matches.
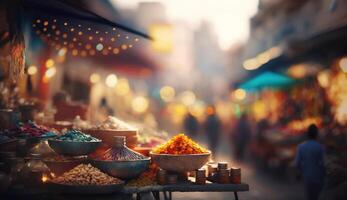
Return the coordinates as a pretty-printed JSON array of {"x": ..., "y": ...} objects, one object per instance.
[
  {"x": 57, "y": 38},
  {"x": 92, "y": 52},
  {"x": 124, "y": 46},
  {"x": 83, "y": 53},
  {"x": 99, "y": 47},
  {"x": 88, "y": 46},
  {"x": 115, "y": 51},
  {"x": 105, "y": 52},
  {"x": 75, "y": 52}
]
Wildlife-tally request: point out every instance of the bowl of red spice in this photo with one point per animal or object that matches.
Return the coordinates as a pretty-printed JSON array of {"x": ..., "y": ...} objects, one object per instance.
[
  {"x": 120, "y": 161},
  {"x": 180, "y": 154}
]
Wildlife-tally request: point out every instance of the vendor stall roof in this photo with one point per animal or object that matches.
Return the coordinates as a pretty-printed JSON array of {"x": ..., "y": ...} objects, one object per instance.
[
  {"x": 267, "y": 80},
  {"x": 63, "y": 24}
]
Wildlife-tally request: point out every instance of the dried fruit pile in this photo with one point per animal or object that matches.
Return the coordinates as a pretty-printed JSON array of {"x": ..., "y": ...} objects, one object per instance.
[
  {"x": 86, "y": 175},
  {"x": 31, "y": 129},
  {"x": 180, "y": 144}
]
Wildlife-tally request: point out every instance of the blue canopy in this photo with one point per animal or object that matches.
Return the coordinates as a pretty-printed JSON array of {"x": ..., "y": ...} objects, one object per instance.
[{"x": 267, "y": 80}]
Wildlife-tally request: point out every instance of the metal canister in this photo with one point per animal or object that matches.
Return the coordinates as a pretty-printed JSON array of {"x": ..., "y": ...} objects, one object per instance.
[
  {"x": 171, "y": 178},
  {"x": 222, "y": 165},
  {"x": 161, "y": 177},
  {"x": 223, "y": 176},
  {"x": 211, "y": 169},
  {"x": 200, "y": 176},
  {"x": 235, "y": 175}
]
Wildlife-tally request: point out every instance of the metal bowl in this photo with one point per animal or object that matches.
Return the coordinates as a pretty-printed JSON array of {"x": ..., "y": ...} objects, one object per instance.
[
  {"x": 72, "y": 148},
  {"x": 122, "y": 169},
  {"x": 59, "y": 167},
  {"x": 180, "y": 163}
]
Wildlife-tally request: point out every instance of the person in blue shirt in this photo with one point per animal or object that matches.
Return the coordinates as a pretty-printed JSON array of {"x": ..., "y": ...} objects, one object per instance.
[{"x": 309, "y": 160}]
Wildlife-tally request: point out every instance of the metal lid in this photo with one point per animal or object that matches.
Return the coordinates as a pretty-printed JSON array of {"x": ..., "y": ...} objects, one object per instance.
[{"x": 119, "y": 141}]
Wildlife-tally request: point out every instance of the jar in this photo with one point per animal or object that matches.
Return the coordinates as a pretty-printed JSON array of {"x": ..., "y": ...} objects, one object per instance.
[
  {"x": 235, "y": 175},
  {"x": 212, "y": 169},
  {"x": 200, "y": 176},
  {"x": 222, "y": 165},
  {"x": 223, "y": 176},
  {"x": 161, "y": 177},
  {"x": 35, "y": 171}
]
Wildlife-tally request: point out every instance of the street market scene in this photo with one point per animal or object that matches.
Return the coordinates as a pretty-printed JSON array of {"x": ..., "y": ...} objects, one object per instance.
[{"x": 173, "y": 99}]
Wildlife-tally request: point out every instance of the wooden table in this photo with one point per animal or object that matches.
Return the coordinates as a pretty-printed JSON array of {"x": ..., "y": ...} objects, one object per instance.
[
  {"x": 127, "y": 192},
  {"x": 167, "y": 190}
]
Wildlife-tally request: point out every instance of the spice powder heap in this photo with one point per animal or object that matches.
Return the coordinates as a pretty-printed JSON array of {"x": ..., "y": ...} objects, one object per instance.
[
  {"x": 180, "y": 144},
  {"x": 86, "y": 175}
]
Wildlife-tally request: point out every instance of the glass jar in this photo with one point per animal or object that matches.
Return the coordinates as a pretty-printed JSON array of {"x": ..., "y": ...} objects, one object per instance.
[{"x": 35, "y": 171}]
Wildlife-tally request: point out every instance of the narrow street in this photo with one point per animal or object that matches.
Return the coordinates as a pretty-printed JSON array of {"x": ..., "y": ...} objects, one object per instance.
[{"x": 262, "y": 186}]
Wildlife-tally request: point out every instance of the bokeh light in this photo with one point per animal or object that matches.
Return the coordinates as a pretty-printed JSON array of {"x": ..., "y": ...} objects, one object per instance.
[
  {"x": 140, "y": 104},
  {"x": 94, "y": 78},
  {"x": 49, "y": 63},
  {"x": 239, "y": 94},
  {"x": 32, "y": 70},
  {"x": 188, "y": 98},
  {"x": 167, "y": 93},
  {"x": 111, "y": 80},
  {"x": 122, "y": 87}
]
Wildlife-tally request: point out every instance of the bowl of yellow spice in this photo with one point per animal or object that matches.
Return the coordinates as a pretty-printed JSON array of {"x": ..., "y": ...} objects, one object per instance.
[{"x": 180, "y": 154}]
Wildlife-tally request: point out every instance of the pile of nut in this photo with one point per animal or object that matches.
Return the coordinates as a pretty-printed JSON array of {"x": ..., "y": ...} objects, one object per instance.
[
  {"x": 113, "y": 123},
  {"x": 86, "y": 175}
]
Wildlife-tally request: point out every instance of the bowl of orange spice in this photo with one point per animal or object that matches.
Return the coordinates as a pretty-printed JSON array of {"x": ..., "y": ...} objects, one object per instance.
[{"x": 180, "y": 154}]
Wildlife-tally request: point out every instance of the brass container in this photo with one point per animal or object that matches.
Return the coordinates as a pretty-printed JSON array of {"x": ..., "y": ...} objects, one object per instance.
[
  {"x": 223, "y": 176},
  {"x": 222, "y": 165},
  {"x": 235, "y": 175},
  {"x": 200, "y": 176}
]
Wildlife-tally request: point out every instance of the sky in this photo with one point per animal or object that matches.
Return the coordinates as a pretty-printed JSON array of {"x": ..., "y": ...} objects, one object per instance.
[{"x": 230, "y": 18}]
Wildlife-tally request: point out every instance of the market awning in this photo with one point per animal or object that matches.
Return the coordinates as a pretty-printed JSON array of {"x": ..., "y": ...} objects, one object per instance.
[{"x": 267, "y": 80}]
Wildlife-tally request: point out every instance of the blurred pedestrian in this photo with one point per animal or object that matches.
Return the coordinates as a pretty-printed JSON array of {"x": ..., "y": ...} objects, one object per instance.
[
  {"x": 212, "y": 128},
  {"x": 242, "y": 136},
  {"x": 191, "y": 125},
  {"x": 309, "y": 160},
  {"x": 104, "y": 110}
]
